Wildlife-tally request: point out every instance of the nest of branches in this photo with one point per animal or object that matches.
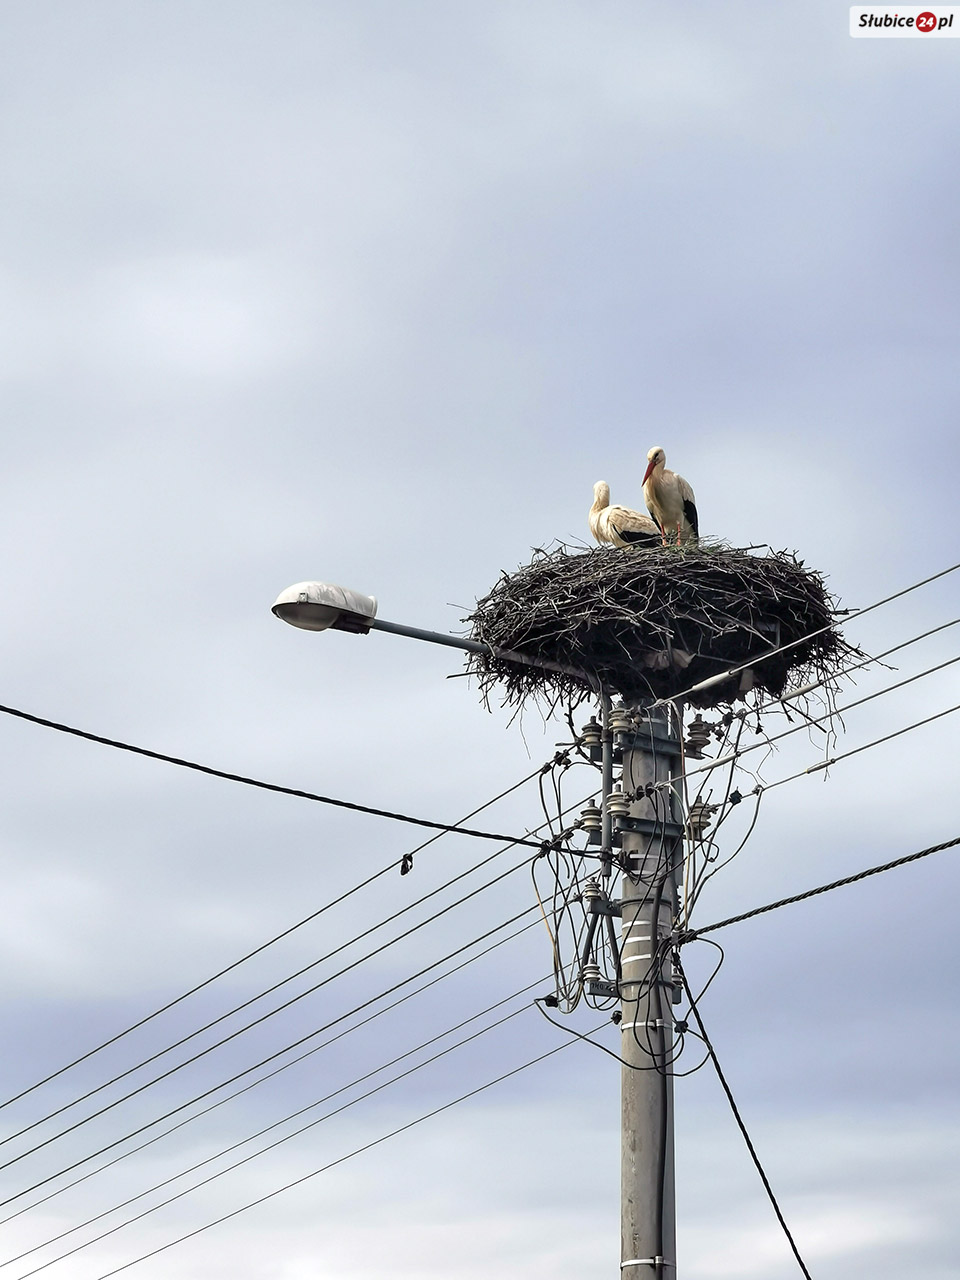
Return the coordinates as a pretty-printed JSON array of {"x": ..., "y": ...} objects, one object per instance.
[{"x": 653, "y": 623}]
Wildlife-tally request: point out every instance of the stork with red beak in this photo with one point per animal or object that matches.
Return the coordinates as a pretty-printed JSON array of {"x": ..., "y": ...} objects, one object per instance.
[
  {"x": 669, "y": 499},
  {"x": 619, "y": 525}
]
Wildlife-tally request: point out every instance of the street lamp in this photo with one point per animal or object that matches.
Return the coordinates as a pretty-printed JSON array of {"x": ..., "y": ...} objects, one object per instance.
[{"x": 323, "y": 606}]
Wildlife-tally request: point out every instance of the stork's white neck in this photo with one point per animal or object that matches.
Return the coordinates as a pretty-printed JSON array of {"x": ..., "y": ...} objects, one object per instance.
[
  {"x": 655, "y": 478},
  {"x": 601, "y": 497}
]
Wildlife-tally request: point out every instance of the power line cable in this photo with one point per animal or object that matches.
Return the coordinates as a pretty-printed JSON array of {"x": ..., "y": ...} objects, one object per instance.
[
  {"x": 868, "y": 662},
  {"x": 277, "y": 1123},
  {"x": 241, "y": 1030},
  {"x": 689, "y": 935},
  {"x": 407, "y": 858},
  {"x": 270, "y": 1074},
  {"x": 768, "y": 741},
  {"x": 270, "y": 1058},
  {"x": 255, "y": 782},
  {"x": 772, "y": 653},
  {"x": 342, "y": 1159},
  {"x": 887, "y": 737},
  {"x": 269, "y": 990}
]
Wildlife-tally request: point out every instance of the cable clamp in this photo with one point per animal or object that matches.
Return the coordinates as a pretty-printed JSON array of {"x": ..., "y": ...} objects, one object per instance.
[
  {"x": 824, "y": 764},
  {"x": 647, "y": 1262}
]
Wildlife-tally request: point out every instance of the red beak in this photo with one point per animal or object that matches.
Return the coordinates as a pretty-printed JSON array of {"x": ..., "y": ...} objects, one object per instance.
[{"x": 646, "y": 474}]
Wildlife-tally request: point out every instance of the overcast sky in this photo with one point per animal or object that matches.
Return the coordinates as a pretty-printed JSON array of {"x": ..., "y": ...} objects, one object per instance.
[{"x": 373, "y": 292}]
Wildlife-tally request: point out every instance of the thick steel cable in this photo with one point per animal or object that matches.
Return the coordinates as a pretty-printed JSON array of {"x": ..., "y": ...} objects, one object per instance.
[
  {"x": 255, "y": 782},
  {"x": 689, "y": 935}
]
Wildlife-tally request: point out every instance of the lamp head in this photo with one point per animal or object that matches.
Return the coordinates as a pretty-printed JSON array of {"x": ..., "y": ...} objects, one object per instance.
[{"x": 319, "y": 606}]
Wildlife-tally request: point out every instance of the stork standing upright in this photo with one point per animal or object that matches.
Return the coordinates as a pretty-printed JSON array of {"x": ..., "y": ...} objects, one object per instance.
[
  {"x": 669, "y": 499},
  {"x": 619, "y": 525}
]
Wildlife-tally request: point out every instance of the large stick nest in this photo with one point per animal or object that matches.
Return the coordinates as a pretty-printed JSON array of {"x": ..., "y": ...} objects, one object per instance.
[{"x": 652, "y": 623}]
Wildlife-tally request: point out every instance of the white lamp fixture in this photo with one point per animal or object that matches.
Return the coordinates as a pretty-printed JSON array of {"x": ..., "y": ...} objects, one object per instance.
[{"x": 322, "y": 606}]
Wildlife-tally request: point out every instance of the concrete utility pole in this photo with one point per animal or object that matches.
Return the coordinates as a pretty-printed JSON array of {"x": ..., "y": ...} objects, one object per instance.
[{"x": 652, "y": 848}]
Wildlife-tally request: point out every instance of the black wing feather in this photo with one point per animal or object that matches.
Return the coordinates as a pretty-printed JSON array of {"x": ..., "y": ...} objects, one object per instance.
[
  {"x": 690, "y": 511},
  {"x": 636, "y": 537}
]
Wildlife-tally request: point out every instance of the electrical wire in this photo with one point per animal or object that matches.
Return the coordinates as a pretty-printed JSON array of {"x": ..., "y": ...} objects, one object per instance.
[
  {"x": 690, "y": 935},
  {"x": 868, "y": 662},
  {"x": 276, "y": 1124},
  {"x": 704, "y": 879},
  {"x": 342, "y": 1159},
  {"x": 255, "y": 782},
  {"x": 276, "y": 986},
  {"x": 815, "y": 720},
  {"x": 252, "y": 1000},
  {"x": 888, "y": 737},
  {"x": 407, "y": 860},
  {"x": 570, "y": 1031},
  {"x": 270, "y": 1074},
  {"x": 692, "y": 880},
  {"x": 239, "y": 1075},
  {"x": 740, "y": 1124}
]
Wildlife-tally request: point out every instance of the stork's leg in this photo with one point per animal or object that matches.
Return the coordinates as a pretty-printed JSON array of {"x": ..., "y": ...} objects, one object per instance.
[{"x": 678, "y": 532}]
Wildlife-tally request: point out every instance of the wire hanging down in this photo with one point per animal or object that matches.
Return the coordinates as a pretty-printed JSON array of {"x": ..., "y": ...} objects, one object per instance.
[{"x": 740, "y": 1125}]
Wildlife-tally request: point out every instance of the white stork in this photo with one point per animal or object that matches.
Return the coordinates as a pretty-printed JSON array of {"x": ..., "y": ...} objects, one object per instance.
[
  {"x": 619, "y": 525},
  {"x": 669, "y": 499}
]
